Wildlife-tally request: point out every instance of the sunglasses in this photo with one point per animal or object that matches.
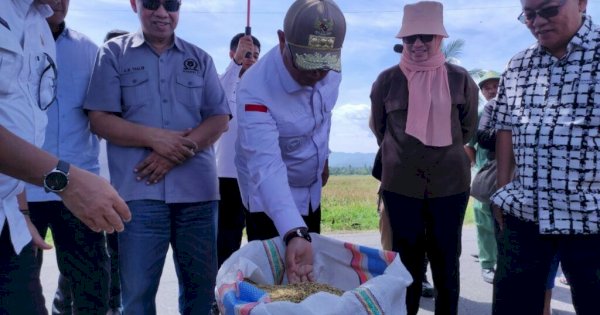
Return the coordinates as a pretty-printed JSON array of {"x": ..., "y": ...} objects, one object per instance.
[
  {"x": 169, "y": 5},
  {"x": 47, "y": 84},
  {"x": 547, "y": 12},
  {"x": 413, "y": 38}
]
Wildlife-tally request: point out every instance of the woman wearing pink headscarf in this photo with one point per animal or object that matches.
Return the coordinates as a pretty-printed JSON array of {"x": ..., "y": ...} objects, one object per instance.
[{"x": 424, "y": 111}]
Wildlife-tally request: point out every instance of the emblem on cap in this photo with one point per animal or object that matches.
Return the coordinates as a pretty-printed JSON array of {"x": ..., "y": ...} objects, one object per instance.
[
  {"x": 323, "y": 26},
  {"x": 322, "y": 39}
]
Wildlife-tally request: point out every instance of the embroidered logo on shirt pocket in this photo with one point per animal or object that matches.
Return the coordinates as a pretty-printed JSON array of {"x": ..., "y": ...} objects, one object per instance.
[{"x": 188, "y": 90}]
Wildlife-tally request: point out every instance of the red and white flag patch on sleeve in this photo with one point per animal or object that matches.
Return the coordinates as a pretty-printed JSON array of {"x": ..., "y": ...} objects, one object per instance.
[{"x": 256, "y": 108}]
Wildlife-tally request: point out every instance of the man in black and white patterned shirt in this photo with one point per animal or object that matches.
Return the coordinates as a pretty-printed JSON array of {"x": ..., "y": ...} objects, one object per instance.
[{"x": 548, "y": 121}]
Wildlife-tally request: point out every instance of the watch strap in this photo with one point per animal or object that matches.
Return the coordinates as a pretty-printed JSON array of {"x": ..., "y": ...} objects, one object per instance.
[
  {"x": 63, "y": 166},
  {"x": 298, "y": 232}
]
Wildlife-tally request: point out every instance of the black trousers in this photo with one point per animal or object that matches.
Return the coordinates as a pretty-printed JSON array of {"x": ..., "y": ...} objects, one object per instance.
[
  {"x": 260, "y": 227},
  {"x": 524, "y": 260},
  {"x": 112, "y": 244},
  {"x": 20, "y": 286},
  {"x": 231, "y": 219},
  {"x": 432, "y": 225},
  {"x": 82, "y": 259}
]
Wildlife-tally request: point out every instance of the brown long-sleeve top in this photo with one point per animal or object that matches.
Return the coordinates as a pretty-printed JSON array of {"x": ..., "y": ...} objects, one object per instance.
[{"x": 411, "y": 168}]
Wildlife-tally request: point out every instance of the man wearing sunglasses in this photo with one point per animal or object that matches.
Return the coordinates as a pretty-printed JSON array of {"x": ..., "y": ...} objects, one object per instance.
[
  {"x": 284, "y": 116},
  {"x": 547, "y": 119},
  {"x": 158, "y": 102},
  {"x": 26, "y": 49},
  {"x": 424, "y": 111}
]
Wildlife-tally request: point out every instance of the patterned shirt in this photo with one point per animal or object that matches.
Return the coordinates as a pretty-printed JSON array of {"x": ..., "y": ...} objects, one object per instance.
[{"x": 552, "y": 108}]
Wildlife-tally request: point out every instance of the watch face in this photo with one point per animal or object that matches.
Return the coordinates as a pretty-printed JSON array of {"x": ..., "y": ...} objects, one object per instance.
[{"x": 56, "y": 181}]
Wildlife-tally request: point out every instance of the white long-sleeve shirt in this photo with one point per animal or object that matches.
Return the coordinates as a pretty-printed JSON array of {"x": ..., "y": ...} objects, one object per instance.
[
  {"x": 283, "y": 140},
  {"x": 25, "y": 45},
  {"x": 225, "y": 146}
]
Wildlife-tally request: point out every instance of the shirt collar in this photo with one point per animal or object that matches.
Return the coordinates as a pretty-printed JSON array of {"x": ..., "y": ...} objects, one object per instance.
[
  {"x": 289, "y": 84},
  {"x": 138, "y": 40},
  {"x": 582, "y": 39},
  {"x": 22, "y": 7},
  {"x": 61, "y": 32},
  {"x": 44, "y": 9}
]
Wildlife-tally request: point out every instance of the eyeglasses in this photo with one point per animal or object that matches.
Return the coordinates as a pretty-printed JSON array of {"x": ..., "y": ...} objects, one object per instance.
[
  {"x": 547, "y": 12},
  {"x": 169, "y": 5},
  {"x": 47, "y": 85},
  {"x": 413, "y": 38}
]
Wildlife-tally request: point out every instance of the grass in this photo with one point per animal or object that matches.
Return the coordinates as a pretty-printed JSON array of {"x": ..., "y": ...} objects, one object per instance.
[{"x": 349, "y": 203}]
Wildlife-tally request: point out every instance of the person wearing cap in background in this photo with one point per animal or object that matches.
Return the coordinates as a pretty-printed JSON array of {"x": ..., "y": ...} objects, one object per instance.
[
  {"x": 243, "y": 51},
  {"x": 424, "y": 111},
  {"x": 158, "y": 102},
  {"x": 547, "y": 118},
  {"x": 284, "y": 115},
  {"x": 483, "y": 144}
]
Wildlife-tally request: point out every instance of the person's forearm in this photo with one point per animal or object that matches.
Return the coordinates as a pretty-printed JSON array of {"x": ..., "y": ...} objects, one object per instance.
[
  {"x": 209, "y": 131},
  {"x": 120, "y": 131},
  {"x": 22, "y": 160},
  {"x": 505, "y": 157}
]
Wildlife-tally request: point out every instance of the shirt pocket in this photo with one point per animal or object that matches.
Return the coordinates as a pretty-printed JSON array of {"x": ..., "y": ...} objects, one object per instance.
[
  {"x": 396, "y": 103},
  {"x": 188, "y": 90},
  {"x": 134, "y": 89},
  {"x": 301, "y": 160},
  {"x": 9, "y": 63}
]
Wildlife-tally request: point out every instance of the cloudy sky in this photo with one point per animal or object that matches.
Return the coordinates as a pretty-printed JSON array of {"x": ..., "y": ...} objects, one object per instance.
[{"x": 490, "y": 30}]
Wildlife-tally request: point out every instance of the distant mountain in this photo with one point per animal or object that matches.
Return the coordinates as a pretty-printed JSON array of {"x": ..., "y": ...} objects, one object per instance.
[{"x": 343, "y": 159}]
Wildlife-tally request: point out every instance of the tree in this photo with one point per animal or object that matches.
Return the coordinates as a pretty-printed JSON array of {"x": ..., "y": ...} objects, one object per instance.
[{"x": 452, "y": 50}]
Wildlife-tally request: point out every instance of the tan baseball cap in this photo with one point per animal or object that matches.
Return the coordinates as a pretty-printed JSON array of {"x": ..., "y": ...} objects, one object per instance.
[{"x": 315, "y": 31}]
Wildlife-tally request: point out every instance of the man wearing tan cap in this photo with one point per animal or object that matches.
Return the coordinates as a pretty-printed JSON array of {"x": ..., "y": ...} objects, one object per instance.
[
  {"x": 424, "y": 111},
  {"x": 284, "y": 114}
]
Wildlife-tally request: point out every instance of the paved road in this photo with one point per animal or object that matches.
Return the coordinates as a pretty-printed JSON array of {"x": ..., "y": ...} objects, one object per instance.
[{"x": 475, "y": 296}]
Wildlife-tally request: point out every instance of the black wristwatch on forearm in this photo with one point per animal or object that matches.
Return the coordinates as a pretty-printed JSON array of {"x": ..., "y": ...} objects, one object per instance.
[
  {"x": 298, "y": 232},
  {"x": 57, "y": 179}
]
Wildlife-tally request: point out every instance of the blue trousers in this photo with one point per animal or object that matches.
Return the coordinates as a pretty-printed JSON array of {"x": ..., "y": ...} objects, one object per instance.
[
  {"x": 190, "y": 229},
  {"x": 432, "y": 225},
  {"x": 524, "y": 261}
]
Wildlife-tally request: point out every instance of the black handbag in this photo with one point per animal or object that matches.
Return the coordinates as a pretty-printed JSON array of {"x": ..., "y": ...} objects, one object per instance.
[
  {"x": 377, "y": 166},
  {"x": 484, "y": 183}
]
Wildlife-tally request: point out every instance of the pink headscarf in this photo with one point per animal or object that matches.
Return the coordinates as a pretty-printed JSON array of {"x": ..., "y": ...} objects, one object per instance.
[{"x": 429, "y": 101}]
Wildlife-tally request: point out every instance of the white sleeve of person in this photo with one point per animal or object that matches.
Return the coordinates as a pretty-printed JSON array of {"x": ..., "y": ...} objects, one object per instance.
[
  {"x": 374, "y": 281},
  {"x": 263, "y": 174}
]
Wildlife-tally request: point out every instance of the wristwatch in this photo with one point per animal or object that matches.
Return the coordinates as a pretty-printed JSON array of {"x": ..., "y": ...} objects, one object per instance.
[
  {"x": 299, "y": 232},
  {"x": 57, "y": 179}
]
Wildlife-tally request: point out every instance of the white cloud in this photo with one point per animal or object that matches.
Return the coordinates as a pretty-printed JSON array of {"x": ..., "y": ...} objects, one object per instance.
[
  {"x": 210, "y": 5},
  {"x": 489, "y": 28},
  {"x": 350, "y": 129}
]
